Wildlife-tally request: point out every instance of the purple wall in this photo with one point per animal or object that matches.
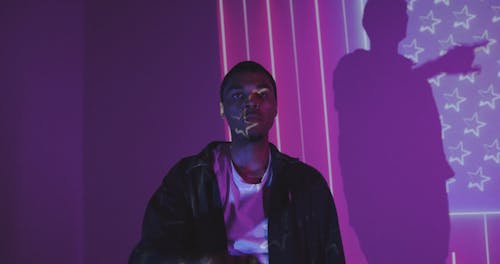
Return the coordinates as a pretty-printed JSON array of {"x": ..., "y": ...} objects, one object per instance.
[
  {"x": 151, "y": 96},
  {"x": 97, "y": 101},
  {"x": 41, "y": 85}
]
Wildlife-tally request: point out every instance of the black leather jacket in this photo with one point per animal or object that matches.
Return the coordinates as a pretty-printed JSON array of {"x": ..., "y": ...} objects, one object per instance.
[{"x": 184, "y": 220}]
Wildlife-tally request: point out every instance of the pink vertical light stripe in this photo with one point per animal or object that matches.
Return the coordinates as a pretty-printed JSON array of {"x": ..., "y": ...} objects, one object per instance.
[
  {"x": 236, "y": 35},
  {"x": 223, "y": 48},
  {"x": 273, "y": 67},
  {"x": 323, "y": 93},
  {"x": 297, "y": 84},
  {"x": 286, "y": 85},
  {"x": 232, "y": 39},
  {"x": 334, "y": 34},
  {"x": 259, "y": 40},
  {"x": 285, "y": 42},
  {"x": 310, "y": 83},
  {"x": 222, "y": 38},
  {"x": 247, "y": 40}
]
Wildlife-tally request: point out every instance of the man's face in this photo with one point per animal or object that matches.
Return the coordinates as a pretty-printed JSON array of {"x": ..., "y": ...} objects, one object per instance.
[{"x": 249, "y": 105}]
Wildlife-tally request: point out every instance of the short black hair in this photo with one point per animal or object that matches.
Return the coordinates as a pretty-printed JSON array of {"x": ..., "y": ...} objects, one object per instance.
[{"x": 246, "y": 66}]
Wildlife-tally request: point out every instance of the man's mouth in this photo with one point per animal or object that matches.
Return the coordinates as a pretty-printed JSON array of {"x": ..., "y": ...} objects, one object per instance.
[
  {"x": 250, "y": 118},
  {"x": 249, "y": 115}
]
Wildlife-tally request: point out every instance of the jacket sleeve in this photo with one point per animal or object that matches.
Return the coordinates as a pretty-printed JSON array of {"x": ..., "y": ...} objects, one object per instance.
[
  {"x": 333, "y": 249},
  {"x": 166, "y": 233},
  {"x": 319, "y": 239}
]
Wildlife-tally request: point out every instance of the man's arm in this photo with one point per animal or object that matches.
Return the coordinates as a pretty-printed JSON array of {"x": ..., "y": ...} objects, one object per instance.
[
  {"x": 457, "y": 60},
  {"x": 334, "y": 251},
  {"x": 166, "y": 233}
]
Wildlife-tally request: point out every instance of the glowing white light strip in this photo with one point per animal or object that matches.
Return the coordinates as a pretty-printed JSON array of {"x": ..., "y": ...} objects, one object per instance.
[
  {"x": 346, "y": 36},
  {"x": 245, "y": 18},
  {"x": 363, "y": 32},
  {"x": 229, "y": 133},
  {"x": 273, "y": 70},
  {"x": 453, "y": 258},
  {"x": 223, "y": 33},
  {"x": 484, "y": 214},
  {"x": 486, "y": 242},
  {"x": 323, "y": 92},
  {"x": 224, "y": 52},
  {"x": 292, "y": 18},
  {"x": 475, "y": 213}
]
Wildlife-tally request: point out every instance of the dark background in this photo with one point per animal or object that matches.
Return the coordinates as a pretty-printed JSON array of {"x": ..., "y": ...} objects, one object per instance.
[{"x": 98, "y": 99}]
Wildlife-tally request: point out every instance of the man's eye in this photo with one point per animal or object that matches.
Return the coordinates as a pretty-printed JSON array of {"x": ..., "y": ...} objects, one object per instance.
[
  {"x": 262, "y": 94},
  {"x": 237, "y": 96}
]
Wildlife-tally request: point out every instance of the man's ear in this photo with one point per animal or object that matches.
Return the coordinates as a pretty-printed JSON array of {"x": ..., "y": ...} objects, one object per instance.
[{"x": 221, "y": 109}]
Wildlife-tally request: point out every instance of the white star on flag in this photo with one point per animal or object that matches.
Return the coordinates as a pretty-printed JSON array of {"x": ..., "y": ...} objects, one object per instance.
[
  {"x": 463, "y": 18},
  {"x": 447, "y": 44},
  {"x": 436, "y": 81},
  {"x": 444, "y": 126},
  {"x": 413, "y": 50},
  {"x": 498, "y": 72},
  {"x": 429, "y": 23},
  {"x": 449, "y": 182},
  {"x": 453, "y": 100},
  {"x": 446, "y": 2},
  {"x": 410, "y": 4},
  {"x": 477, "y": 179},
  {"x": 458, "y": 154},
  {"x": 496, "y": 16},
  {"x": 488, "y": 97},
  {"x": 484, "y": 36},
  {"x": 492, "y": 151},
  {"x": 473, "y": 125},
  {"x": 471, "y": 77}
]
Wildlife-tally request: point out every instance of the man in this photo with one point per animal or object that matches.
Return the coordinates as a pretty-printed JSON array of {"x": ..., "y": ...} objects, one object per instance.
[{"x": 242, "y": 201}]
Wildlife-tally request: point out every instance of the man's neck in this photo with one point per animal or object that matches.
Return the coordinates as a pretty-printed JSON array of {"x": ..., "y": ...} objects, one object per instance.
[
  {"x": 384, "y": 49},
  {"x": 250, "y": 158}
]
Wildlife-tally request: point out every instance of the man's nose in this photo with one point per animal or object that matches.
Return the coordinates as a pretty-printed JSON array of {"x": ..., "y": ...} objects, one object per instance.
[{"x": 252, "y": 99}]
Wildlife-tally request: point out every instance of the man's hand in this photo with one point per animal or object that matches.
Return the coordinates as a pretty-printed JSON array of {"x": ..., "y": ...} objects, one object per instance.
[{"x": 459, "y": 59}]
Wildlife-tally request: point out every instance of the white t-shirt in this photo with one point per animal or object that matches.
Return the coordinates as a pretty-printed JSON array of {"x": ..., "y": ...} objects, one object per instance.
[{"x": 246, "y": 224}]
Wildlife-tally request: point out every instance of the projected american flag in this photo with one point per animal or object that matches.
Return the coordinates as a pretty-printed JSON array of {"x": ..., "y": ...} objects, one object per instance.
[
  {"x": 469, "y": 104},
  {"x": 470, "y": 117}
]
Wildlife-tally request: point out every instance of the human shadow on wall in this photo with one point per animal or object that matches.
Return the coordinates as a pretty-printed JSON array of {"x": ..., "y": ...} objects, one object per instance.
[{"x": 390, "y": 150}]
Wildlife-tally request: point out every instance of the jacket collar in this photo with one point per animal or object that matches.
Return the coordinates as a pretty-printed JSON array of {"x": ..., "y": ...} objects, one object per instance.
[{"x": 205, "y": 157}]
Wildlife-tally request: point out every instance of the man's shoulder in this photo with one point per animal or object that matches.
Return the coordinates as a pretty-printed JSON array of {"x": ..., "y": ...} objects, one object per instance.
[
  {"x": 302, "y": 168},
  {"x": 299, "y": 172},
  {"x": 187, "y": 164},
  {"x": 350, "y": 68},
  {"x": 304, "y": 179},
  {"x": 307, "y": 173},
  {"x": 352, "y": 58},
  {"x": 203, "y": 157}
]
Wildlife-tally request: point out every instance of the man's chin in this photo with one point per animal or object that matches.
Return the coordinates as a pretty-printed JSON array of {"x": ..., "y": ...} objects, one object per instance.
[
  {"x": 255, "y": 137},
  {"x": 252, "y": 136}
]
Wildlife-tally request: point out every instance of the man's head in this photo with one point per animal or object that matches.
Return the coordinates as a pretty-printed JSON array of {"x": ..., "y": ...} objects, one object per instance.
[
  {"x": 246, "y": 66},
  {"x": 385, "y": 21},
  {"x": 248, "y": 100}
]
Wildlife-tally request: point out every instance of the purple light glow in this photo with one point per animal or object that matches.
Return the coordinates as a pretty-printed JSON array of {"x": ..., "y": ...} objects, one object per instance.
[{"x": 310, "y": 37}]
